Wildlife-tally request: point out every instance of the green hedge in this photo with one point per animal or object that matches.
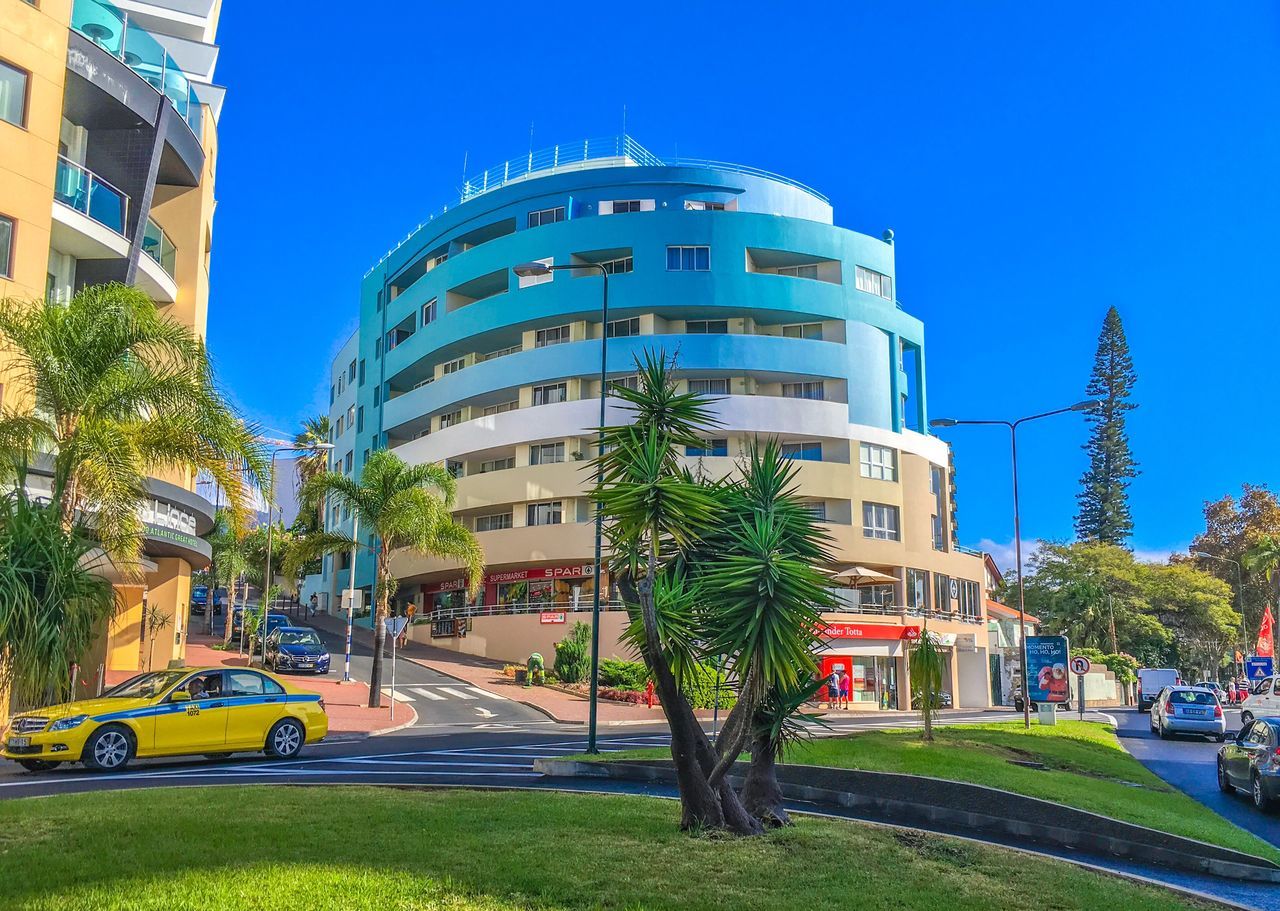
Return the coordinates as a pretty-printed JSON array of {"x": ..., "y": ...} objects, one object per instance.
[{"x": 623, "y": 675}]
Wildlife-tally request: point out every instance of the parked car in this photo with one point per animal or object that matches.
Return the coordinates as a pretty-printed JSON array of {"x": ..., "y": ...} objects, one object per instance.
[
  {"x": 1249, "y": 761},
  {"x": 1188, "y": 710},
  {"x": 1151, "y": 680},
  {"x": 274, "y": 621},
  {"x": 212, "y": 711},
  {"x": 199, "y": 598},
  {"x": 1215, "y": 687},
  {"x": 1262, "y": 700},
  {"x": 296, "y": 648}
]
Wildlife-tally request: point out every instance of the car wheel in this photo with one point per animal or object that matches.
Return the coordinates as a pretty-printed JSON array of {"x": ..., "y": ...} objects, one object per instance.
[
  {"x": 1224, "y": 783},
  {"x": 285, "y": 739},
  {"x": 1164, "y": 735},
  {"x": 1260, "y": 798},
  {"x": 38, "y": 765},
  {"x": 109, "y": 749}
]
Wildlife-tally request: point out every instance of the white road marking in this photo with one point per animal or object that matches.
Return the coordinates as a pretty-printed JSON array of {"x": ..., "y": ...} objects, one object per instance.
[
  {"x": 476, "y": 689},
  {"x": 421, "y": 691},
  {"x": 484, "y": 712},
  {"x": 458, "y": 693},
  {"x": 400, "y": 695}
]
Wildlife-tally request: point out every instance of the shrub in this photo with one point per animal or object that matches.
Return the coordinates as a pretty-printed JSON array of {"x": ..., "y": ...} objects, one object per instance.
[
  {"x": 623, "y": 675},
  {"x": 700, "y": 688},
  {"x": 573, "y": 654},
  {"x": 632, "y": 697}
]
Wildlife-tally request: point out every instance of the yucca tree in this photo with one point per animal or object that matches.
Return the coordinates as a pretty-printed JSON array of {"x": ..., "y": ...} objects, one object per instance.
[
  {"x": 928, "y": 665},
  {"x": 726, "y": 570},
  {"x": 404, "y": 507},
  {"x": 118, "y": 392},
  {"x": 53, "y": 598}
]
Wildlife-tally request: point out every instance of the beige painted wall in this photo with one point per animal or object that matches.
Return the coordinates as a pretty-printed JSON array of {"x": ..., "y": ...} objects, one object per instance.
[{"x": 514, "y": 637}]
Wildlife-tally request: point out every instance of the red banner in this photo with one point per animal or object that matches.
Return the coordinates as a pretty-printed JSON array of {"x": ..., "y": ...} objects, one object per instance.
[
  {"x": 868, "y": 631},
  {"x": 1266, "y": 635}
]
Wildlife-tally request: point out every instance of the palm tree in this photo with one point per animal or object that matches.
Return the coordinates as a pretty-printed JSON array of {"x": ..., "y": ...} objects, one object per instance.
[
  {"x": 316, "y": 461},
  {"x": 404, "y": 507},
  {"x": 53, "y": 598},
  {"x": 928, "y": 663},
  {"x": 119, "y": 391}
]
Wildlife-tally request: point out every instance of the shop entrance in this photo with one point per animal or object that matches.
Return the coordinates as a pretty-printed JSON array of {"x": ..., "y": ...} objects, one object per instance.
[{"x": 873, "y": 680}]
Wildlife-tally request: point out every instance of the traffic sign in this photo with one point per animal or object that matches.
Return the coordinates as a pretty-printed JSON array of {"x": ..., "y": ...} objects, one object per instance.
[
  {"x": 396, "y": 625},
  {"x": 1080, "y": 665},
  {"x": 1258, "y": 667}
]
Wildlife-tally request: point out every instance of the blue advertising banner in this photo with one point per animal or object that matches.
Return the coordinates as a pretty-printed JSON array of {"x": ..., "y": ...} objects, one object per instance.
[
  {"x": 1047, "y": 673},
  {"x": 1258, "y": 668}
]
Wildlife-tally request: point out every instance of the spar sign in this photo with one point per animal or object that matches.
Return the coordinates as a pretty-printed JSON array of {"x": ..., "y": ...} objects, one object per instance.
[{"x": 1047, "y": 672}]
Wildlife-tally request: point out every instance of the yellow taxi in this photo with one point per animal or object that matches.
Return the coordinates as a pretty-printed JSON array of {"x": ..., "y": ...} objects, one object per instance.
[{"x": 188, "y": 711}]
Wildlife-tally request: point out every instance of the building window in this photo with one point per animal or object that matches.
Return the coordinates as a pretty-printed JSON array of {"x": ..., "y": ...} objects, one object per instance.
[
  {"x": 351, "y": 417},
  {"x": 377, "y": 348},
  {"x": 697, "y": 205},
  {"x": 628, "y": 382},
  {"x": 941, "y": 593},
  {"x": 936, "y": 486},
  {"x": 808, "y": 451},
  {"x": 500, "y": 408},
  {"x": 803, "y": 330},
  {"x": 351, "y": 373},
  {"x": 364, "y": 459},
  {"x": 880, "y": 520},
  {"x": 527, "y": 281},
  {"x": 709, "y": 387},
  {"x": 969, "y": 599},
  {"x": 878, "y": 462},
  {"x": 494, "y": 522},
  {"x": 360, "y": 419},
  {"x": 6, "y": 248},
  {"x": 545, "y": 217},
  {"x": 448, "y": 420},
  {"x": 361, "y": 371},
  {"x": 623, "y": 328},
  {"x": 688, "y": 259},
  {"x": 817, "y": 510},
  {"x": 342, "y": 385},
  {"x": 874, "y": 282},
  {"x": 497, "y": 465},
  {"x": 707, "y": 327},
  {"x": 546, "y": 454},
  {"x": 718, "y": 447},
  {"x": 13, "y": 94},
  {"x": 337, "y": 432},
  {"x": 429, "y": 312},
  {"x": 917, "y": 590},
  {"x": 619, "y": 206},
  {"x": 935, "y": 527},
  {"x": 455, "y": 468},
  {"x": 452, "y": 366},
  {"x": 617, "y": 266},
  {"x": 551, "y": 394},
  {"x": 814, "y": 391},
  {"x": 377, "y": 395},
  {"x": 807, "y": 271},
  {"x": 556, "y": 335},
  {"x": 545, "y": 514},
  {"x": 348, "y": 462}
]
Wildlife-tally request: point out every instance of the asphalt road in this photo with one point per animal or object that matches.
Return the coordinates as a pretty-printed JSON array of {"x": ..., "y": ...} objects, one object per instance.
[{"x": 1189, "y": 764}]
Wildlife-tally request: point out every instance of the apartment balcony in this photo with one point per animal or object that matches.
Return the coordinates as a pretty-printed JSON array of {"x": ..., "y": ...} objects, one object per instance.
[
  {"x": 89, "y": 214},
  {"x": 156, "y": 265}
]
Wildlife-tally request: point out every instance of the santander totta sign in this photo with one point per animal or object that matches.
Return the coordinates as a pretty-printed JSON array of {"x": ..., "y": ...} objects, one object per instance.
[{"x": 868, "y": 631}]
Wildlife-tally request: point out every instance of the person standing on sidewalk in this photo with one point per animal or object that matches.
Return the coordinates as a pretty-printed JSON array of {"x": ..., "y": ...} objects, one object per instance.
[{"x": 313, "y": 605}]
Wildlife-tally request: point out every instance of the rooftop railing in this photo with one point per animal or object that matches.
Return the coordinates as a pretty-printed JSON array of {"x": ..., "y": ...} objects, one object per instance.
[
  {"x": 612, "y": 151},
  {"x": 110, "y": 29},
  {"x": 81, "y": 189}
]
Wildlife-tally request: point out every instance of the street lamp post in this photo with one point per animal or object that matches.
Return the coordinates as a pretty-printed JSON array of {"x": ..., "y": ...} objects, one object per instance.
[
  {"x": 528, "y": 270},
  {"x": 1244, "y": 632},
  {"x": 266, "y": 574},
  {"x": 1087, "y": 405}
]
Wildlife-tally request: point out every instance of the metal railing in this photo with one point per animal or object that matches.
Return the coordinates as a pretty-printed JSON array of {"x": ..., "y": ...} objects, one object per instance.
[
  {"x": 501, "y": 352},
  {"x": 521, "y": 607},
  {"x": 611, "y": 151},
  {"x": 79, "y": 188},
  {"x": 895, "y": 610},
  {"x": 110, "y": 29},
  {"x": 156, "y": 244}
]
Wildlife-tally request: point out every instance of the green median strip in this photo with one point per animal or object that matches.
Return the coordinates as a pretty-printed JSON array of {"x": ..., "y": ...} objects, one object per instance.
[
  {"x": 356, "y": 848},
  {"x": 1084, "y": 766}
]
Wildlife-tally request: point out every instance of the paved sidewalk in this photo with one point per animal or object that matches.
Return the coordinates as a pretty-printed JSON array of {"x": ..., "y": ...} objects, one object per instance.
[{"x": 347, "y": 705}]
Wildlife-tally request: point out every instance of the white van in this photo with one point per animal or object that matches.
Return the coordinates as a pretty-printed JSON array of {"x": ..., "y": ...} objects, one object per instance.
[
  {"x": 1262, "y": 700},
  {"x": 1151, "y": 680}
]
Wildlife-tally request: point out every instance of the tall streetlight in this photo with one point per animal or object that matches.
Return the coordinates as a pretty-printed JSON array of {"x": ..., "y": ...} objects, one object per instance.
[
  {"x": 1087, "y": 405},
  {"x": 531, "y": 270},
  {"x": 271, "y": 506},
  {"x": 1244, "y": 633}
]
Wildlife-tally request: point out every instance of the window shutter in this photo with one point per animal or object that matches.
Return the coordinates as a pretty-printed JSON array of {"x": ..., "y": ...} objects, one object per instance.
[{"x": 606, "y": 207}]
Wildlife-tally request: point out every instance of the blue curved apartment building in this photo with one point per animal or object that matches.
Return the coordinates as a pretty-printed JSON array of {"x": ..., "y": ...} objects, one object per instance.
[{"x": 792, "y": 321}]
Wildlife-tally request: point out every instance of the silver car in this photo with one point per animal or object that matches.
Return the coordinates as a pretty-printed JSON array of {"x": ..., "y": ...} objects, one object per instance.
[{"x": 1188, "y": 710}]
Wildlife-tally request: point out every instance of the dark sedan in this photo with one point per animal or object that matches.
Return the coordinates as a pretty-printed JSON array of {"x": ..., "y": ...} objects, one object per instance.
[
  {"x": 296, "y": 648},
  {"x": 1251, "y": 762}
]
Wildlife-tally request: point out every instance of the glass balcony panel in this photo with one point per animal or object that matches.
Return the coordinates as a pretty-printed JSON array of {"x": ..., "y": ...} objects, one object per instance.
[
  {"x": 101, "y": 24},
  {"x": 145, "y": 56},
  {"x": 88, "y": 194},
  {"x": 156, "y": 244}
]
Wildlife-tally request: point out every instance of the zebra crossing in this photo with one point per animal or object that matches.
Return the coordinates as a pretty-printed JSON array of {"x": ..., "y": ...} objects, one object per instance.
[{"x": 440, "y": 692}]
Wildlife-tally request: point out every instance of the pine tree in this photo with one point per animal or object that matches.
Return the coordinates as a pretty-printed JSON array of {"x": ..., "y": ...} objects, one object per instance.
[{"x": 1104, "y": 489}]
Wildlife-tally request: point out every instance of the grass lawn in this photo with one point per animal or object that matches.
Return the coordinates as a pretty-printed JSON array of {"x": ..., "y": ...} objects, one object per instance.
[
  {"x": 395, "y": 850},
  {"x": 1088, "y": 769}
]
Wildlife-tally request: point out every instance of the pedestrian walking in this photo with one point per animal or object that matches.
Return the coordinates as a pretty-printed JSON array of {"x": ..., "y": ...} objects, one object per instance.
[
  {"x": 1231, "y": 691},
  {"x": 313, "y": 605}
]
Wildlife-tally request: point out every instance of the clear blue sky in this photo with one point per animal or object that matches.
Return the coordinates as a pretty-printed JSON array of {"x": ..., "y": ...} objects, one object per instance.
[{"x": 1038, "y": 163}]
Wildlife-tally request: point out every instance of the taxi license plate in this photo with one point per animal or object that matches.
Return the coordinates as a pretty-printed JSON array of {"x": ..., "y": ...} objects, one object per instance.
[{"x": 16, "y": 742}]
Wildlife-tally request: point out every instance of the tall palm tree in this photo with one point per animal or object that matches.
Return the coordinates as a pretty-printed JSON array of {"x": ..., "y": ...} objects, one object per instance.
[
  {"x": 404, "y": 507},
  {"x": 119, "y": 391},
  {"x": 316, "y": 461}
]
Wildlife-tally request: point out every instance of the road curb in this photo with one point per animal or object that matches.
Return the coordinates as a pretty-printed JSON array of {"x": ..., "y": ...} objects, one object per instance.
[{"x": 1028, "y": 817}]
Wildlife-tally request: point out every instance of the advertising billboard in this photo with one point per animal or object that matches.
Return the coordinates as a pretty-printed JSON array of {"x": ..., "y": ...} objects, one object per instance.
[{"x": 1047, "y": 672}]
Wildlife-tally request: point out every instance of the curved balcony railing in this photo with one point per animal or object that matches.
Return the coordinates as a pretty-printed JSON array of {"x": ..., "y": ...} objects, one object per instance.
[
  {"x": 110, "y": 29},
  {"x": 156, "y": 244},
  {"x": 89, "y": 194}
]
